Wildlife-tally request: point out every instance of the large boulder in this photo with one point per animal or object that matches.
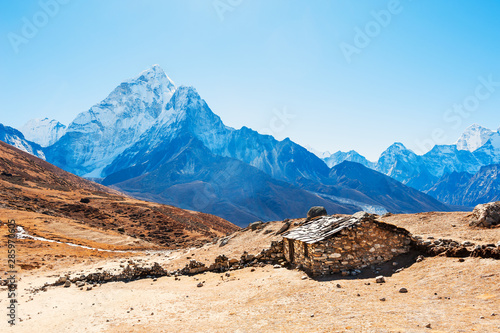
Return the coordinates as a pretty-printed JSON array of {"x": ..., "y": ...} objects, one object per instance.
[
  {"x": 486, "y": 215},
  {"x": 316, "y": 211}
]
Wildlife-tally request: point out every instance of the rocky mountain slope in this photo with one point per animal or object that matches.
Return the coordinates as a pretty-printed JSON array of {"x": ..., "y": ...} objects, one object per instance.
[
  {"x": 187, "y": 174},
  {"x": 383, "y": 190},
  {"x": 465, "y": 189},
  {"x": 31, "y": 185}
]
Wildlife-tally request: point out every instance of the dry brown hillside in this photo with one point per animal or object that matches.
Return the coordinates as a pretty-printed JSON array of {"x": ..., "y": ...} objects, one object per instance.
[{"x": 49, "y": 202}]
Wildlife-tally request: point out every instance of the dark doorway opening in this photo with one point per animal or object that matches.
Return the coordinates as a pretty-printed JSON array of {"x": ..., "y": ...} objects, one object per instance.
[{"x": 292, "y": 250}]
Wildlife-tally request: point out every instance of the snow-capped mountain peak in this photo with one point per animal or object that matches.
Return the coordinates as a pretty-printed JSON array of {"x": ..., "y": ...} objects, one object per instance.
[
  {"x": 111, "y": 126},
  {"x": 320, "y": 154},
  {"x": 143, "y": 96},
  {"x": 186, "y": 97},
  {"x": 351, "y": 156},
  {"x": 396, "y": 147},
  {"x": 45, "y": 131},
  {"x": 474, "y": 137}
]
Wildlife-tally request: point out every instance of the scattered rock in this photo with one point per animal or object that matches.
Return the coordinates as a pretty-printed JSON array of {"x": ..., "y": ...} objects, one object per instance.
[
  {"x": 362, "y": 215},
  {"x": 277, "y": 266},
  {"x": 256, "y": 225},
  {"x": 67, "y": 284},
  {"x": 380, "y": 279},
  {"x": 304, "y": 277},
  {"x": 199, "y": 285},
  {"x": 428, "y": 326},
  {"x": 403, "y": 290},
  {"x": 339, "y": 286},
  {"x": 382, "y": 299},
  {"x": 223, "y": 242},
  {"x": 284, "y": 228}
]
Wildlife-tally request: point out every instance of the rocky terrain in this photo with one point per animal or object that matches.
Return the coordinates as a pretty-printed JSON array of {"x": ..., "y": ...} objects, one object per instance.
[{"x": 251, "y": 290}]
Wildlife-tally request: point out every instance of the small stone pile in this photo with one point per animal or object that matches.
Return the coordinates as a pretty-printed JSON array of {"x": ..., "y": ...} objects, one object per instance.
[
  {"x": 272, "y": 256},
  {"x": 131, "y": 272},
  {"x": 451, "y": 248},
  {"x": 486, "y": 216}
]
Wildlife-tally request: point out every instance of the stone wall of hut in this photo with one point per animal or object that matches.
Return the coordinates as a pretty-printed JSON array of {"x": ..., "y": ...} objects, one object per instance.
[{"x": 368, "y": 244}]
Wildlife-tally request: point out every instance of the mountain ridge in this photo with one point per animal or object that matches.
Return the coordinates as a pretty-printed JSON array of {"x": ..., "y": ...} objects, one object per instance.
[{"x": 147, "y": 123}]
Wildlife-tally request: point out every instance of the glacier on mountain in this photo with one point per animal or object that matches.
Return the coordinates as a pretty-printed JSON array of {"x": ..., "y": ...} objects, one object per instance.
[
  {"x": 474, "y": 137},
  {"x": 45, "y": 131}
]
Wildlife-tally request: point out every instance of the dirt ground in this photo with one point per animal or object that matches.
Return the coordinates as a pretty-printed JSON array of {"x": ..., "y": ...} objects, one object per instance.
[
  {"x": 449, "y": 294},
  {"x": 452, "y": 296}
]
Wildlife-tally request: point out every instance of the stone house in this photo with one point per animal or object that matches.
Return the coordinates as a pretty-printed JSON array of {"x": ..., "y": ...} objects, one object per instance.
[{"x": 329, "y": 245}]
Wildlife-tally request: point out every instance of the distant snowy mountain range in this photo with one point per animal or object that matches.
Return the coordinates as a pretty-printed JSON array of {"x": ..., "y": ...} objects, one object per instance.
[
  {"x": 477, "y": 147},
  {"x": 44, "y": 132},
  {"x": 163, "y": 143}
]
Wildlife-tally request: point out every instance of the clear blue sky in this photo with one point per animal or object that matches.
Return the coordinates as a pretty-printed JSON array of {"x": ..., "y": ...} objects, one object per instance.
[{"x": 253, "y": 58}]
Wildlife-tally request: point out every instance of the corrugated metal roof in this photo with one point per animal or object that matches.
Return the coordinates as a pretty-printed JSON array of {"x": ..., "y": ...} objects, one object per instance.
[{"x": 322, "y": 228}]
